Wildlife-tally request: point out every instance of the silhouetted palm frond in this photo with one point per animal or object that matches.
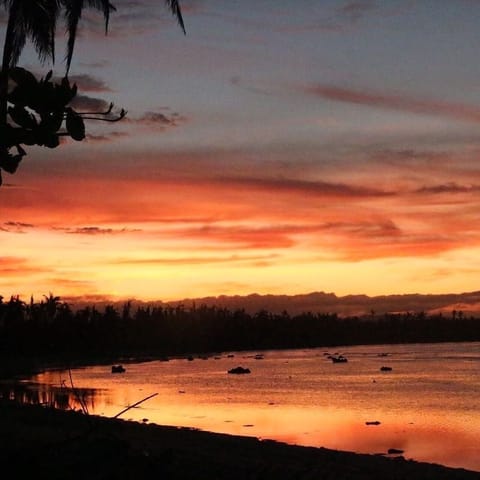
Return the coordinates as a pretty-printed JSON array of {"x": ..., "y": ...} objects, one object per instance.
[
  {"x": 174, "y": 6},
  {"x": 73, "y": 12},
  {"x": 35, "y": 19}
]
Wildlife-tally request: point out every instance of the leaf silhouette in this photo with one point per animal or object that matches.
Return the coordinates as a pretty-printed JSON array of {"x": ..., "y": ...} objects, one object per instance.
[
  {"x": 23, "y": 77},
  {"x": 52, "y": 121},
  {"x": 50, "y": 140},
  {"x": 22, "y": 117},
  {"x": 75, "y": 125},
  {"x": 9, "y": 162}
]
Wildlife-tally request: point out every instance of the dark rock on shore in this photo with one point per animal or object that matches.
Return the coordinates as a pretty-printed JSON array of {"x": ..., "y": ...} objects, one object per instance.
[
  {"x": 339, "y": 359},
  {"x": 118, "y": 369},
  {"x": 239, "y": 370}
]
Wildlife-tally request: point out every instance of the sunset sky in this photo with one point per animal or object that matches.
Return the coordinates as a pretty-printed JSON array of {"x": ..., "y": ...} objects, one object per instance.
[{"x": 279, "y": 147}]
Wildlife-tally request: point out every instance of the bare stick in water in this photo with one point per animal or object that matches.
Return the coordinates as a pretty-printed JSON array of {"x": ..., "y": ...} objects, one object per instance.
[{"x": 135, "y": 404}]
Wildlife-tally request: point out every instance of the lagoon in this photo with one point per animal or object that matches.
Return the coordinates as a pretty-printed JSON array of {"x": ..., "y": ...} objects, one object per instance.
[{"x": 427, "y": 406}]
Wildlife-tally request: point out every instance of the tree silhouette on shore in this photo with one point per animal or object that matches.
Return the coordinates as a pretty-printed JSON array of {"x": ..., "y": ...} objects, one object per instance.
[{"x": 52, "y": 330}]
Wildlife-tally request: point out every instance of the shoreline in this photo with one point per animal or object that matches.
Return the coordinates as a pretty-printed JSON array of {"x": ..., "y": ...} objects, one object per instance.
[
  {"x": 67, "y": 444},
  {"x": 19, "y": 368}
]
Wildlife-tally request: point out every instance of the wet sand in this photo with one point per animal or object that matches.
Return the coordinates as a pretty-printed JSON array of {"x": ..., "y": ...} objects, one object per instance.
[{"x": 38, "y": 442}]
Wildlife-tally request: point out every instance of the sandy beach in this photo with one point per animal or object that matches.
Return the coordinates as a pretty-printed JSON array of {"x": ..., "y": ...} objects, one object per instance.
[{"x": 47, "y": 443}]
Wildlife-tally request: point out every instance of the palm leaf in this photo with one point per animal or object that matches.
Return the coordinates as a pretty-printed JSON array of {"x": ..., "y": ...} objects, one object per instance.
[
  {"x": 174, "y": 7},
  {"x": 35, "y": 19},
  {"x": 73, "y": 12}
]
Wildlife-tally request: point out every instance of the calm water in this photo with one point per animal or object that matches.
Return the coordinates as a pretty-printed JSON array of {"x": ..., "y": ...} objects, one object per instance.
[{"x": 428, "y": 405}]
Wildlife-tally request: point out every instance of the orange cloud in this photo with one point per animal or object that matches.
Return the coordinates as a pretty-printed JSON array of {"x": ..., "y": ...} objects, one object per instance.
[
  {"x": 17, "y": 267},
  {"x": 353, "y": 250},
  {"x": 288, "y": 235},
  {"x": 155, "y": 261},
  {"x": 69, "y": 284},
  {"x": 244, "y": 237},
  {"x": 131, "y": 218},
  {"x": 353, "y": 220}
]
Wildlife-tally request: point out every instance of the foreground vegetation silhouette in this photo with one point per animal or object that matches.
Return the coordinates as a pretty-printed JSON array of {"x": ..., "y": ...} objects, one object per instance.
[
  {"x": 50, "y": 331},
  {"x": 32, "y": 112},
  {"x": 41, "y": 114}
]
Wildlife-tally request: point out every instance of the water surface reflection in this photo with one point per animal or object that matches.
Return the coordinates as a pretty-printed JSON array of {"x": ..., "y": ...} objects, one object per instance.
[
  {"x": 61, "y": 397},
  {"x": 428, "y": 405}
]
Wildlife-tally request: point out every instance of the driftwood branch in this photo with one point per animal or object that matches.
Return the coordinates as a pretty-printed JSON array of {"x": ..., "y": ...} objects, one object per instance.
[
  {"x": 75, "y": 392},
  {"x": 135, "y": 405}
]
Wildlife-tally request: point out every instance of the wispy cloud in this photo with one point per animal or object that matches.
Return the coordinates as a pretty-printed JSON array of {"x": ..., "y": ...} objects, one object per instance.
[
  {"x": 343, "y": 18},
  {"x": 354, "y": 10},
  {"x": 280, "y": 236},
  {"x": 405, "y": 246},
  {"x": 19, "y": 224},
  {"x": 69, "y": 284},
  {"x": 88, "y": 299},
  {"x": 15, "y": 227},
  {"x": 99, "y": 64},
  {"x": 237, "y": 81},
  {"x": 450, "y": 187},
  {"x": 411, "y": 156},
  {"x": 159, "y": 120},
  {"x": 288, "y": 235},
  {"x": 305, "y": 187},
  {"x": 85, "y": 82},
  {"x": 18, "y": 267},
  {"x": 201, "y": 188},
  {"x": 89, "y": 83},
  {"x": 155, "y": 261},
  {"x": 107, "y": 137},
  {"x": 89, "y": 104},
  {"x": 402, "y": 103},
  {"x": 372, "y": 229},
  {"x": 96, "y": 230}
]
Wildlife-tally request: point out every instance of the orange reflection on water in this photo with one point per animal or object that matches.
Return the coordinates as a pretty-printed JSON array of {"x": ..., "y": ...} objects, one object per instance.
[
  {"x": 423, "y": 438},
  {"x": 426, "y": 407}
]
